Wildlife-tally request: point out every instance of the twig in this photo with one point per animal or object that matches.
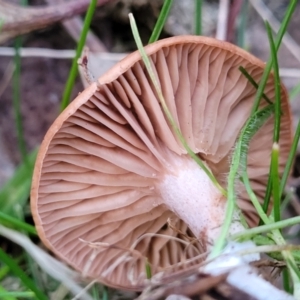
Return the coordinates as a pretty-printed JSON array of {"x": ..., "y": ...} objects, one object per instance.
[
  {"x": 18, "y": 20},
  {"x": 74, "y": 27},
  {"x": 58, "y": 54}
]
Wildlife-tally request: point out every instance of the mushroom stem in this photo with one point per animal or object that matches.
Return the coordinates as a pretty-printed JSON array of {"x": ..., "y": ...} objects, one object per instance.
[{"x": 189, "y": 193}]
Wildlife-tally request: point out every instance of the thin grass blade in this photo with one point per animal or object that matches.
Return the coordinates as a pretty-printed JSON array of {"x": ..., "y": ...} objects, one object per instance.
[
  {"x": 242, "y": 24},
  {"x": 16, "y": 190},
  {"x": 9, "y": 297},
  {"x": 169, "y": 116},
  {"x": 74, "y": 69},
  {"x": 239, "y": 165},
  {"x": 276, "y": 182},
  {"x": 10, "y": 221},
  {"x": 17, "y": 99},
  {"x": 281, "y": 32},
  {"x": 274, "y": 46},
  {"x": 265, "y": 228},
  {"x": 276, "y": 83},
  {"x": 198, "y": 17},
  {"x": 22, "y": 275},
  {"x": 290, "y": 160},
  {"x": 254, "y": 83},
  {"x": 162, "y": 18}
]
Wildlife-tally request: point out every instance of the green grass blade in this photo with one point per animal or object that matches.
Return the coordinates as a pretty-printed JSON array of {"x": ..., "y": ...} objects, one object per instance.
[
  {"x": 265, "y": 228},
  {"x": 276, "y": 182},
  {"x": 4, "y": 270},
  {"x": 254, "y": 83},
  {"x": 9, "y": 297},
  {"x": 239, "y": 165},
  {"x": 30, "y": 263},
  {"x": 267, "y": 198},
  {"x": 254, "y": 123},
  {"x": 267, "y": 70},
  {"x": 162, "y": 18},
  {"x": 254, "y": 200},
  {"x": 242, "y": 24},
  {"x": 261, "y": 240},
  {"x": 96, "y": 292},
  {"x": 22, "y": 275},
  {"x": 17, "y": 95},
  {"x": 274, "y": 46},
  {"x": 290, "y": 160},
  {"x": 275, "y": 235},
  {"x": 285, "y": 22},
  {"x": 198, "y": 17},
  {"x": 148, "y": 270},
  {"x": 74, "y": 69},
  {"x": 16, "y": 190},
  {"x": 268, "y": 193},
  {"x": 277, "y": 84},
  {"x": 17, "y": 99},
  {"x": 105, "y": 293},
  {"x": 286, "y": 281},
  {"x": 15, "y": 223},
  {"x": 169, "y": 116}
]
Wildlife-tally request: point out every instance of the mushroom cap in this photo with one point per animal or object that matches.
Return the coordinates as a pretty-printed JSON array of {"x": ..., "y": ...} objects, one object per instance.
[{"x": 95, "y": 195}]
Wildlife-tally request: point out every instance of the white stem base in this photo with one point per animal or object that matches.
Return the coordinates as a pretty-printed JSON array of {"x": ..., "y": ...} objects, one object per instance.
[
  {"x": 241, "y": 275},
  {"x": 190, "y": 194}
]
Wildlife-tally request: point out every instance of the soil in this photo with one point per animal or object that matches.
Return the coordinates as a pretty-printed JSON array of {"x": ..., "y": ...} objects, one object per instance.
[{"x": 42, "y": 84}]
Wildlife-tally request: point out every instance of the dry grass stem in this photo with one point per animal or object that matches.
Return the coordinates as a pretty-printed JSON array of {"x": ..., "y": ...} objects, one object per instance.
[
  {"x": 84, "y": 290},
  {"x": 190, "y": 239},
  {"x": 130, "y": 254}
]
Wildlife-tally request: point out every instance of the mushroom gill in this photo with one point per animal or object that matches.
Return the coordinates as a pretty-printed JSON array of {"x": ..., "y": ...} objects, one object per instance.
[{"x": 103, "y": 171}]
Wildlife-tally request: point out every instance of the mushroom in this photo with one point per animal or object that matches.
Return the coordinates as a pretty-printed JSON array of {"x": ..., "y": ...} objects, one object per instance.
[{"x": 114, "y": 189}]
